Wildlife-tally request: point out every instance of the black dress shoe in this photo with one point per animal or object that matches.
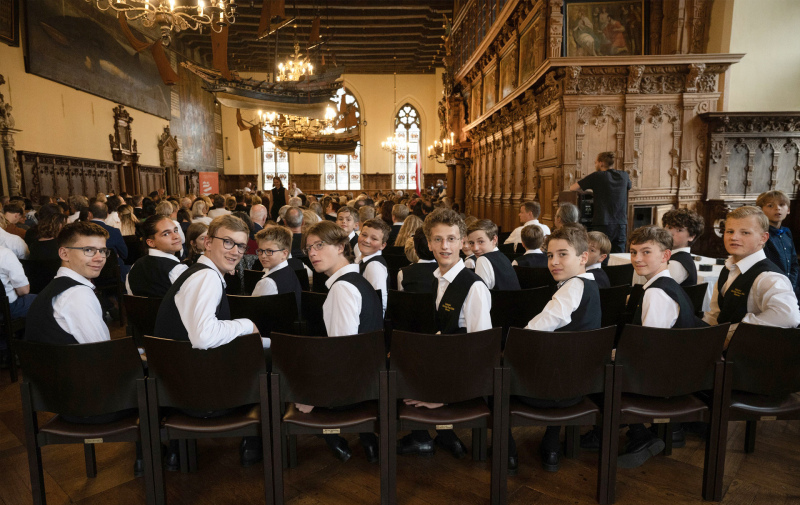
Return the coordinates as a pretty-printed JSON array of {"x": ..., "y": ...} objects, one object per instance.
[
  {"x": 590, "y": 441},
  {"x": 678, "y": 436},
  {"x": 172, "y": 461},
  {"x": 340, "y": 448},
  {"x": 452, "y": 444},
  {"x": 409, "y": 445},
  {"x": 513, "y": 465},
  {"x": 638, "y": 451},
  {"x": 138, "y": 468},
  {"x": 251, "y": 451},
  {"x": 550, "y": 460},
  {"x": 371, "y": 451}
]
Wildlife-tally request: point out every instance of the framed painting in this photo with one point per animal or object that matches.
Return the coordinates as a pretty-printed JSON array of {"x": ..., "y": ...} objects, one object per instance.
[
  {"x": 527, "y": 56},
  {"x": 477, "y": 99},
  {"x": 490, "y": 88},
  {"x": 9, "y": 22},
  {"x": 508, "y": 67},
  {"x": 609, "y": 28}
]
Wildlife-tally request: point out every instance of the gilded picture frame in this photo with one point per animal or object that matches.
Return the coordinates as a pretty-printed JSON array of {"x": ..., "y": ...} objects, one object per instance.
[{"x": 605, "y": 28}]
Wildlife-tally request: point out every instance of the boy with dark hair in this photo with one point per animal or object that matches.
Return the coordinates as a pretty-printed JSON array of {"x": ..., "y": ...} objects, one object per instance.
[
  {"x": 14, "y": 212},
  {"x": 532, "y": 239},
  {"x": 371, "y": 242},
  {"x": 599, "y": 247},
  {"x": 399, "y": 215},
  {"x": 153, "y": 274},
  {"x": 780, "y": 246},
  {"x": 418, "y": 277},
  {"x": 347, "y": 219},
  {"x": 274, "y": 243},
  {"x": 491, "y": 265},
  {"x": 528, "y": 215},
  {"x": 685, "y": 226}
]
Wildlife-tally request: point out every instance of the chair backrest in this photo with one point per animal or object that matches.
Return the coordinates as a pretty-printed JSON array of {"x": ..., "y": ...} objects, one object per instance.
[
  {"x": 302, "y": 276},
  {"x": 619, "y": 274},
  {"x": 311, "y": 312},
  {"x": 414, "y": 312},
  {"x": 318, "y": 282},
  {"x": 764, "y": 360},
  {"x": 251, "y": 278},
  {"x": 445, "y": 368},
  {"x": 516, "y": 308},
  {"x": 394, "y": 250},
  {"x": 505, "y": 248},
  {"x": 396, "y": 261},
  {"x": 136, "y": 248},
  {"x": 634, "y": 298},
  {"x": 558, "y": 366},
  {"x": 82, "y": 379},
  {"x": 530, "y": 278},
  {"x": 40, "y": 273},
  {"x": 142, "y": 312},
  {"x": 206, "y": 379},
  {"x": 667, "y": 361},
  {"x": 612, "y": 303},
  {"x": 697, "y": 294},
  {"x": 109, "y": 276},
  {"x": 268, "y": 313},
  {"x": 329, "y": 372}
]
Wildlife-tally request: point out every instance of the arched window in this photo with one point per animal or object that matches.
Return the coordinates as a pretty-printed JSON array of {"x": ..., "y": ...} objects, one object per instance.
[
  {"x": 406, "y": 127},
  {"x": 274, "y": 162},
  {"x": 343, "y": 171}
]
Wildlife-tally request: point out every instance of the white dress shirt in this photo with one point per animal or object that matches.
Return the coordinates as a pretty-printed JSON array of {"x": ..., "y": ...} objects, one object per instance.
[
  {"x": 658, "y": 309},
  {"x": 176, "y": 271},
  {"x": 267, "y": 286},
  {"x": 11, "y": 274},
  {"x": 469, "y": 262},
  {"x": 218, "y": 212},
  {"x": 532, "y": 251},
  {"x": 378, "y": 275},
  {"x": 516, "y": 235},
  {"x": 485, "y": 270},
  {"x": 73, "y": 217},
  {"x": 676, "y": 270},
  {"x": 113, "y": 220},
  {"x": 558, "y": 311},
  {"x": 400, "y": 274},
  {"x": 180, "y": 231},
  {"x": 197, "y": 302},
  {"x": 593, "y": 266},
  {"x": 202, "y": 219},
  {"x": 342, "y": 308},
  {"x": 771, "y": 301},
  {"x": 14, "y": 243},
  {"x": 474, "y": 315},
  {"x": 77, "y": 310}
]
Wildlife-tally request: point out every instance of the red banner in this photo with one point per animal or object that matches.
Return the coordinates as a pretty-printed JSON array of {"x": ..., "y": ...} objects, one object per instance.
[{"x": 209, "y": 183}]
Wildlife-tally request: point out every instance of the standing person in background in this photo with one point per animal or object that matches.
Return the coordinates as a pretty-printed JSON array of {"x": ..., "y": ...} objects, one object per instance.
[
  {"x": 280, "y": 197},
  {"x": 610, "y": 188}
]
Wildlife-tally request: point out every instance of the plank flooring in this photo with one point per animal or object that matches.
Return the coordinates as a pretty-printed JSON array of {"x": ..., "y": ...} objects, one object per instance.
[{"x": 771, "y": 475}]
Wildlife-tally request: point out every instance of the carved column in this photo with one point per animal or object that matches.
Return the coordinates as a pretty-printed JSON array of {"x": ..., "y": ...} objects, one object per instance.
[
  {"x": 556, "y": 27},
  {"x": 12, "y": 180}
]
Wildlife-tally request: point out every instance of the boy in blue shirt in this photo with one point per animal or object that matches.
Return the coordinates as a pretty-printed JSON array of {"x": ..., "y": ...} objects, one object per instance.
[{"x": 780, "y": 246}]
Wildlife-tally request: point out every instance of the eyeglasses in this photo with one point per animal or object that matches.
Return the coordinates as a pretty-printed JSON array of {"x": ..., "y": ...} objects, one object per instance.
[
  {"x": 228, "y": 244},
  {"x": 449, "y": 240},
  {"x": 91, "y": 251},
  {"x": 316, "y": 247},
  {"x": 268, "y": 252}
]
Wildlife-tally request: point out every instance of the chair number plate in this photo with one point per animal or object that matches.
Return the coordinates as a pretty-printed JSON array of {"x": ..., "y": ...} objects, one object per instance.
[
  {"x": 661, "y": 420},
  {"x": 92, "y": 440},
  {"x": 332, "y": 431},
  {"x": 444, "y": 426},
  {"x": 769, "y": 418}
]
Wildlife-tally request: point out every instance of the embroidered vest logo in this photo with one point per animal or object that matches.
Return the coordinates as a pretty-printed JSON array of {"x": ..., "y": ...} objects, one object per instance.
[
  {"x": 448, "y": 308},
  {"x": 737, "y": 292}
]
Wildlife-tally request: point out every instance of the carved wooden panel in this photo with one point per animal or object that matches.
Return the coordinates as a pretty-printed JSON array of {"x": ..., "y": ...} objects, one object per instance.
[
  {"x": 306, "y": 182},
  {"x": 376, "y": 181},
  {"x": 62, "y": 176},
  {"x": 151, "y": 179},
  {"x": 188, "y": 182}
]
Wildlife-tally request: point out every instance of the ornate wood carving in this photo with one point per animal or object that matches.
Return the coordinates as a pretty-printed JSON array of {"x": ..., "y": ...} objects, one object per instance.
[
  {"x": 62, "y": 176},
  {"x": 168, "y": 154},
  {"x": 12, "y": 185},
  {"x": 123, "y": 150},
  {"x": 556, "y": 23}
]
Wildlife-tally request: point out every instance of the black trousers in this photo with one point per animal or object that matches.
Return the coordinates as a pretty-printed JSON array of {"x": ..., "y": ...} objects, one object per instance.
[{"x": 616, "y": 233}]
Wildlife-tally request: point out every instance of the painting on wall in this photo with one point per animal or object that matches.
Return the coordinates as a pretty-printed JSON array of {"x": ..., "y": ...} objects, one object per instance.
[
  {"x": 489, "y": 88},
  {"x": 74, "y": 44},
  {"x": 612, "y": 28},
  {"x": 508, "y": 65},
  {"x": 527, "y": 56},
  {"x": 9, "y": 22},
  {"x": 477, "y": 99},
  {"x": 196, "y": 124}
]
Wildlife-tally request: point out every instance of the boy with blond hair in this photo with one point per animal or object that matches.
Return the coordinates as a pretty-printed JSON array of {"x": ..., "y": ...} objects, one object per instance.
[
  {"x": 780, "y": 246},
  {"x": 599, "y": 247}
]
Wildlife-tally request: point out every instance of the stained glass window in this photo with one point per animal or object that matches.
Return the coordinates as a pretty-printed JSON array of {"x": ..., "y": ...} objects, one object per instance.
[
  {"x": 275, "y": 162},
  {"x": 343, "y": 171},
  {"x": 406, "y": 127}
]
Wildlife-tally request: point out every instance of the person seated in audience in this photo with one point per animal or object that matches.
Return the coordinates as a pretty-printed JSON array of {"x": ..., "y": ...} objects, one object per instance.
[
  {"x": 153, "y": 274},
  {"x": 98, "y": 212},
  {"x": 491, "y": 265},
  {"x": 170, "y": 210},
  {"x": 347, "y": 219},
  {"x": 685, "y": 226},
  {"x": 219, "y": 207},
  {"x": 410, "y": 225},
  {"x": 532, "y": 238},
  {"x": 77, "y": 203},
  {"x": 751, "y": 288},
  {"x": 575, "y": 306},
  {"x": 32, "y": 233},
  {"x": 13, "y": 242},
  {"x": 780, "y": 247},
  {"x": 45, "y": 247},
  {"x": 399, "y": 215},
  {"x": 273, "y": 252},
  {"x": 466, "y": 250},
  {"x": 200, "y": 211},
  {"x": 128, "y": 221},
  {"x": 14, "y": 212},
  {"x": 294, "y": 220},
  {"x": 599, "y": 247},
  {"x": 567, "y": 213},
  {"x": 418, "y": 276},
  {"x": 258, "y": 214},
  {"x": 463, "y": 305},
  {"x": 114, "y": 202},
  {"x": 372, "y": 265},
  {"x": 528, "y": 215},
  {"x": 18, "y": 293},
  {"x": 196, "y": 239},
  {"x": 351, "y": 307}
]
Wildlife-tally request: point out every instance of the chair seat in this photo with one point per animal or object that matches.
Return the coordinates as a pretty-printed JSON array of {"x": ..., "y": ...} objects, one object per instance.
[
  {"x": 239, "y": 419},
  {"x": 461, "y": 412},
  {"x": 585, "y": 410},
  {"x": 322, "y": 418},
  {"x": 57, "y": 426},
  {"x": 749, "y": 405},
  {"x": 677, "y": 409}
]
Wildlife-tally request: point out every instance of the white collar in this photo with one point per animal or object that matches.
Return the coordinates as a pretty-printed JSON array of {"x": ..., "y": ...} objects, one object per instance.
[
  {"x": 663, "y": 273},
  {"x": 364, "y": 259},
  {"x": 72, "y": 274},
  {"x": 594, "y": 266},
  {"x": 452, "y": 273},
  {"x": 426, "y": 261},
  {"x": 349, "y": 268},
  {"x": 682, "y": 249},
  {"x": 352, "y": 234},
  {"x": 161, "y": 254},
  {"x": 534, "y": 251},
  {"x": 398, "y": 224},
  {"x": 583, "y": 275},
  {"x": 744, "y": 264},
  {"x": 280, "y": 265},
  {"x": 207, "y": 262},
  {"x": 532, "y": 221}
]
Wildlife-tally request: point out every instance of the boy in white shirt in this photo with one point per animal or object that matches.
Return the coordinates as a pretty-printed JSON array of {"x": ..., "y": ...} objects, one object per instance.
[
  {"x": 599, "y": 247},
  {"x": 491, "y": 265},
  {"x": 372, "y": 265},
  {"x": 685, "y": 226}
]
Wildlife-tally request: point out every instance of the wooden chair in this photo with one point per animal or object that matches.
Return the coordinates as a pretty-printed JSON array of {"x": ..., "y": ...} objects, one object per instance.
[
  {"x": 136, "y": 249},
  {"x": 761, "y": 383},
  {"x": 40, "y": 273},
  {"x": 302, "y": 276},
  {"x": 583, "y": 364},
  {"x": 697, "y": 295},
  {"x": 251, "y": 278},
  {"x": 613, "y": 301},
  {"x": 312, "y": 323},
  {"x": 344, "y": 378},
  {"x": 318, "y": 282},
  {"x": 530, "y": 278},
  {"x": 411, "y": 311},
  {"x": 268, "y": 313},
  {"x": 516, "y": 308},
  {"x": 619, "y": 275},
  {"x": 142, "y": 313},
  {"x": 100, "y": 380},
  {"x": 231, "y": 378},
  {"x": 394, "y": 264},
  {"x": 470, "y": 372},
  {"x": 10, "y": 327},
  {"x": 394, "y": 250},
  {"x": 110, "y": 282},
  {"x": 657, "y": 375}
]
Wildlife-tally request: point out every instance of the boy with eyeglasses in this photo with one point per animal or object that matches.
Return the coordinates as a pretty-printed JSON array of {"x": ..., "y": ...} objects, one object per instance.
[{"x": 273, "y": 252}]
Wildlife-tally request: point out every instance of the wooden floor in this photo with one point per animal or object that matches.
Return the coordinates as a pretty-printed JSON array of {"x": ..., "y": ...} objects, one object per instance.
[{"x": 769, "y": 476}]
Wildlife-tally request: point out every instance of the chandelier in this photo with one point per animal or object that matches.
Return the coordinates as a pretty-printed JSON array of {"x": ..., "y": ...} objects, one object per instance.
[
  {"x": 169, "y": 17},
  {"x": 439, "y": 150},
  {"x": 280, "y": 125},
  {"x": 295, "y": 67},
  {"x": 394, "y": 143}
]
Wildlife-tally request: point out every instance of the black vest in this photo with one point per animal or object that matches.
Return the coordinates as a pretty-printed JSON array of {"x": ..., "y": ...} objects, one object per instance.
[
  {"x": 534, "y": 260},
  {"x": 505, "y": 278},
  {"x": 588, "y": 315},
  {"x": 287, "y": 282},
  {"x": 733, "y": 304},
  {"x": 686, "y": 317},
  {"x": 40, "y": 324},
  {"x": 149, "y": 276},
  {"x": 473, "y": 258},
  {"x": 418, "y": 277},
  {"x": 168, "y": 322},
  {"x": 354, "y": 241},
  {"x": 362, "y": 267},
  {"x": 600, "y": 277},
  {"x": 371, "y": 316},
  {"x": 686, "y": 261},
  {"x": 297, "y": 241},
  {"x": 453, "y": 300}
]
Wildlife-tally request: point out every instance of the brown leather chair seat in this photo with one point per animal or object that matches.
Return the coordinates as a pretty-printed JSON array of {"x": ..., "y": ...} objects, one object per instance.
[
  {"x": 322, "y": 418},
  {"x": 585, "y": 412},
  {"x": 239, "y": 419},
  {"x": 128, "y": 426},
  {"x": 676, "y": 408},
  {"x": 462, "y": 412},
  {"x": 749, "y": 405}
]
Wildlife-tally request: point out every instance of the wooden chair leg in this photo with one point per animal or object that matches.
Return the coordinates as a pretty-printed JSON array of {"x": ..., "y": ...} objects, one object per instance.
[
  {"x": 183, "y": 454},
  {"x": 91, "y": 462},
  {"x": 192, "y": 454},
  {"x": 34, "y": 452},
  {"x": 667, "y": 439},
  {"x": 479, "y": 444},
  {"x": 750, "y": 437},
  {"x": 12, "y": 361},
  {"x": 292, "y": 451},
  {"x": 572, "y": 441},
  {"x": 278, "y": 444}
]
